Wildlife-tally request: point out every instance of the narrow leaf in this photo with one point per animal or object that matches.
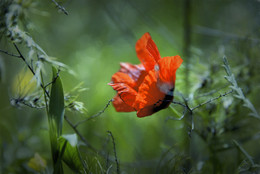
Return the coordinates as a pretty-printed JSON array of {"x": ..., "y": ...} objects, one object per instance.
[
  {"x": 249, "y": 158},
  {"x": 56, "y": 106},
  {"x": 55, "y": 117},
  {"x": 71, "y": 154}
]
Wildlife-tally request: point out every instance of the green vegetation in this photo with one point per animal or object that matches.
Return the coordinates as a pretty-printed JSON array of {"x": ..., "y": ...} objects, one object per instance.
[{"x": 56, "y": 112}]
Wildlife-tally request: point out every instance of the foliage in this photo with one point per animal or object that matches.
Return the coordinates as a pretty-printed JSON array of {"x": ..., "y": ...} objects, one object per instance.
[
  {"x": 240, "y": 95},
  {"x": 71, "y": 155},
  {"x": 54, "y": 102},
  {"x": 205, "y": 130}
]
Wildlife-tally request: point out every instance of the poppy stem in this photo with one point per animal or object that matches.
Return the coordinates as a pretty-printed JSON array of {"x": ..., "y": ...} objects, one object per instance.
[
  {"x": 212, "y": 99},
  {"x": 95, "y": 115},
  {"x": 187, "y": 108},
  {"x": 78, "y": 133},
  {"x": 114, "y": 147},
  {"x": 10, "y": 54},
  {"x": 60, "y": 7}
]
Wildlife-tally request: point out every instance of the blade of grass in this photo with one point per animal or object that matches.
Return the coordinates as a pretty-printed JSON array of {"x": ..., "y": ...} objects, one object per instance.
[
  {"x": 244, "y": 152},
  {"x": 55, "y": 117},
  {"x": 56, "y": 106}
]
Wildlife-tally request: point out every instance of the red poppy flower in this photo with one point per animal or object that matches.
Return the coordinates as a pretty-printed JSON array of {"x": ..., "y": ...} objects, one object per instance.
[{"x": 146, "y": 88}]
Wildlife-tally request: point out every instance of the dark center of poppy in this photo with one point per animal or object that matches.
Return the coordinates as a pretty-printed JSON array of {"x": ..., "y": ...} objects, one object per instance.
[{"x": 162, "y": 104}]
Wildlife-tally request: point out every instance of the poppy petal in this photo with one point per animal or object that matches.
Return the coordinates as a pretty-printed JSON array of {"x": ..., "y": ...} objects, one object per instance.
[
  {"x": 148, "y": 92},
  {"x": 125, "y": 92},
  {"x": 147, "y": 51},
  {"x": 120, "y": 105},
  {"x": 146, "y": 111},
  {"x": 159, "y": 105},
  {"x": 120, "y": 77},
  {"x": 150, "y": 97},
  {"x": 168, "y": 67},
  {"x": 134, "y": 71}
]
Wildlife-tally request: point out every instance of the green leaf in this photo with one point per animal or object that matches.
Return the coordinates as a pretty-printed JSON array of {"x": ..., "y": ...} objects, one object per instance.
[
  {"x": 239, "y": 93},
  {"x": 56, "y": 106},
  {"x": 55, "y": 117},
  {"x": 71, "y": 154}
]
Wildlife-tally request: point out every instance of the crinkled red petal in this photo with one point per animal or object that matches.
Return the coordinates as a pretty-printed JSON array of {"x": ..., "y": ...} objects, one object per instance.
[
  {"x": 121, "y": 106},
  {"x": 125, "y": 92},
  {"x": 136, "y": 72},
  {"x": 120, "y": 77},
  {"x": 147, "y": 52},
  {"x": 168, "y": 67},
  {"x": 148, "y": 92}
]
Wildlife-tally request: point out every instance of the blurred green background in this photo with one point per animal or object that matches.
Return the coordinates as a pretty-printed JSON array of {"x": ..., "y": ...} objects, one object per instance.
[{"x": 95, "y": 37}]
